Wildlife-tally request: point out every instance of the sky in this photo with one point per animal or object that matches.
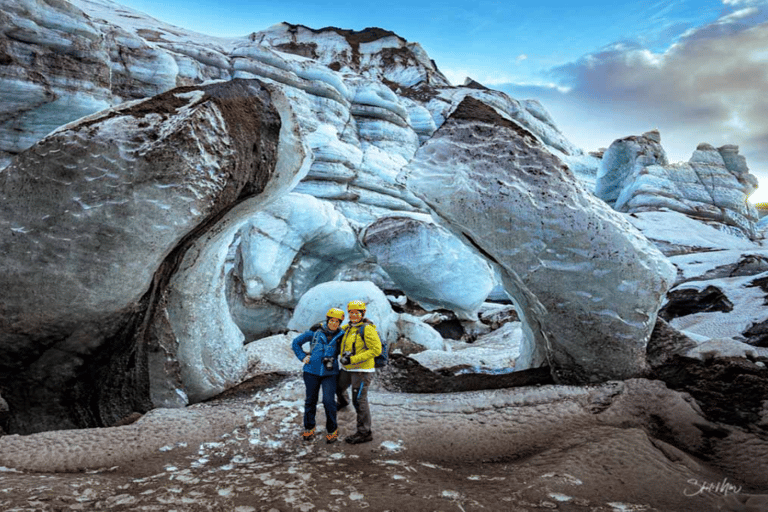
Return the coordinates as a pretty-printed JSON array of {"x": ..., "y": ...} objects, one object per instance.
[{"x": 696, "y": 70}]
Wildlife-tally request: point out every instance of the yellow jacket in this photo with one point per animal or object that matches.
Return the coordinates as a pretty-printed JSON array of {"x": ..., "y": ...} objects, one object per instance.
[{"x": 363, "y": 350}]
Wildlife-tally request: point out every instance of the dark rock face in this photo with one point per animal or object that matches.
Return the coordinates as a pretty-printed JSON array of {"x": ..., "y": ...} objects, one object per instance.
[
  {"x": 665, "y": 343},
  {"x": 689, "y": 301},
  {"x": 93, "y": 222},
  {"x": 746, "y": 265},
  {"x": 728, "y": 390},
  {"x": 730, "y": 393},
  {"x": 450, "y": 328},
  {"x": 406, "y": 375},
  {"x": 757, "y": 334}
]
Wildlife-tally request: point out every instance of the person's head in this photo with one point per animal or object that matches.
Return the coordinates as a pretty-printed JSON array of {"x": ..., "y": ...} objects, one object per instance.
[
  {"x": 356, "y": 310},
  {"x": 334, "y": 318}
]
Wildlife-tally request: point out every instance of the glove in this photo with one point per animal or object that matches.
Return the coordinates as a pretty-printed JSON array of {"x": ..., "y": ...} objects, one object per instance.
[
  {"x": 305, "y": 360},
  {"x": 345, "y": 359}
]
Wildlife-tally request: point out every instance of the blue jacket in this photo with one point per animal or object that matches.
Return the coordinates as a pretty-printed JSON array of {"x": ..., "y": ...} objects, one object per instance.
[{"x": 320, "y": 346}]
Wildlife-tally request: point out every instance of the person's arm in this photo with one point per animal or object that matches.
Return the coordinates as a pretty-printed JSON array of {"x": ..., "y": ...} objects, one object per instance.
[
  {"x": 372, "y": 342},
  {"x": 298, "y": 341}
]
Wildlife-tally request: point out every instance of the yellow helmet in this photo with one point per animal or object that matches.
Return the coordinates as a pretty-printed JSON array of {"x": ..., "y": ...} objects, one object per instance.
[
  {"x": 335, "y": 313},
  {"x": 356, "y": 304}
]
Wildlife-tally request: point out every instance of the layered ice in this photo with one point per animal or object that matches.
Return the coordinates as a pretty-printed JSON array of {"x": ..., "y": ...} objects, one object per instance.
[{"x": 586, "y": 283}]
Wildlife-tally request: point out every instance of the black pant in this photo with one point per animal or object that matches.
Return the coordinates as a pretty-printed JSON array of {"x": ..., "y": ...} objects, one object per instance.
[{"x": 313, "y": 384}]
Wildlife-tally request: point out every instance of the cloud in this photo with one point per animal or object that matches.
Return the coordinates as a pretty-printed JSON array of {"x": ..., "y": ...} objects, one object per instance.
[
  {"x": 709, "y": 86},
  {"x": 743, "y": 2}
]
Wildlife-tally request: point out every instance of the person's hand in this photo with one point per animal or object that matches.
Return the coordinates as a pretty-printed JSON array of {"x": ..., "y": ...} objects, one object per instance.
[
  {"x": 345, "y": 359},
  {"x": 305, "y": 360}
]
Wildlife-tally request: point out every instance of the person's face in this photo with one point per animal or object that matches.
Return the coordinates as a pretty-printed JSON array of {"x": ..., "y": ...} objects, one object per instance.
[
  {"x": 355, "y": 315},
  {"x": 333, "y": 323}
]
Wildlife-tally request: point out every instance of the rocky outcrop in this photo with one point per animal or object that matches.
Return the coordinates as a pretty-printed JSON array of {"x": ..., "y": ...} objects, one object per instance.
[
  {"x": 94, "y": 220},
  {"x": 429, "y": 264},
  {"x": 586, "y": 284},
  {"x": 635, "y": 176},
  {"x": 371, "y": 52}
]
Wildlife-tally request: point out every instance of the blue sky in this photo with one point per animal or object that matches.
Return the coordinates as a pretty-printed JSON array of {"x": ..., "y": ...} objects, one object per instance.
[{"x": 697, "y": 70}]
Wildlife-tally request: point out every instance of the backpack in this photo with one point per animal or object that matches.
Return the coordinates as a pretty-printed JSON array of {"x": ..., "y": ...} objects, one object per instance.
[{"x": 382, "y": 359}]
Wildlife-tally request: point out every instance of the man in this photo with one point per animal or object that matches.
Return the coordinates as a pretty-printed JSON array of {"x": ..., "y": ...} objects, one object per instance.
[{"x": 359, "y": 346}]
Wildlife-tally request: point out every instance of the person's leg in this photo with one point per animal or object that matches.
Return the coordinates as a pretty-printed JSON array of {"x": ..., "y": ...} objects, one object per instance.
[
  {"x": 329, "y": 403},
  {"x": 360, "y": 383},
  {"x": 342, "y": 383},
  {"x": 312, "y": 383}
]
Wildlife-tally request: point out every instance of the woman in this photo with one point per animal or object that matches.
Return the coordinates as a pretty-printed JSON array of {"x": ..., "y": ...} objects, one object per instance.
[
  {"x": 321, "y": 368},
  {"x": 359, "y": 347}
]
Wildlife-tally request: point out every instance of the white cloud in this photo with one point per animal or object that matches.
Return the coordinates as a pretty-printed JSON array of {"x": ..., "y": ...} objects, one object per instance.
[
  {"x": 707, "y": 87},
  {"x": 738, "y": 15},
  {"x": 736, "y": 3}
]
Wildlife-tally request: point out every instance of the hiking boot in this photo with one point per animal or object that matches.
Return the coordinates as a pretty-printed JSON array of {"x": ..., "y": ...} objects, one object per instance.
[
  {"x": 308, "y": 435},
  {"x": 332, "y": 437},
  {"x": 358, "y": 438}
]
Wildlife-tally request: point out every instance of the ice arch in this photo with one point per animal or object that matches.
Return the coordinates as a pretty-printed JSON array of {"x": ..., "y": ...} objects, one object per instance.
[
  {"x": 195, "y": 323},
  {"x": 587, "y": 284}
]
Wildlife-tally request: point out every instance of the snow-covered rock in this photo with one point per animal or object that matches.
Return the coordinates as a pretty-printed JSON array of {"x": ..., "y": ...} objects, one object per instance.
[
  {"x": 429, "y": 264},
  {"x": 726, "y": 347},
  {"x": 720, "y": 308},
  {"x": 718, "y": 298},
  {"x": 762, "y": 224},
  {"x": 623, "y": 159},
  {"x": 675, "y": 233},
  {"x": 371, "y": 52},
  {"x": 587, "y": 285},
  {"x": 496, "y": 315},
  {"x": 635, "y": 176}
]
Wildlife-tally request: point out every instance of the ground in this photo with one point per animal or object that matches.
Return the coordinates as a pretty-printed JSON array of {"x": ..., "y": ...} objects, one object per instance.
[{"x": 263, "y": 465}]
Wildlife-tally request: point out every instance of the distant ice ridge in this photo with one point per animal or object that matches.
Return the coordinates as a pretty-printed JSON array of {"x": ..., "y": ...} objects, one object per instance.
[{"x": 635, "y": 176}]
